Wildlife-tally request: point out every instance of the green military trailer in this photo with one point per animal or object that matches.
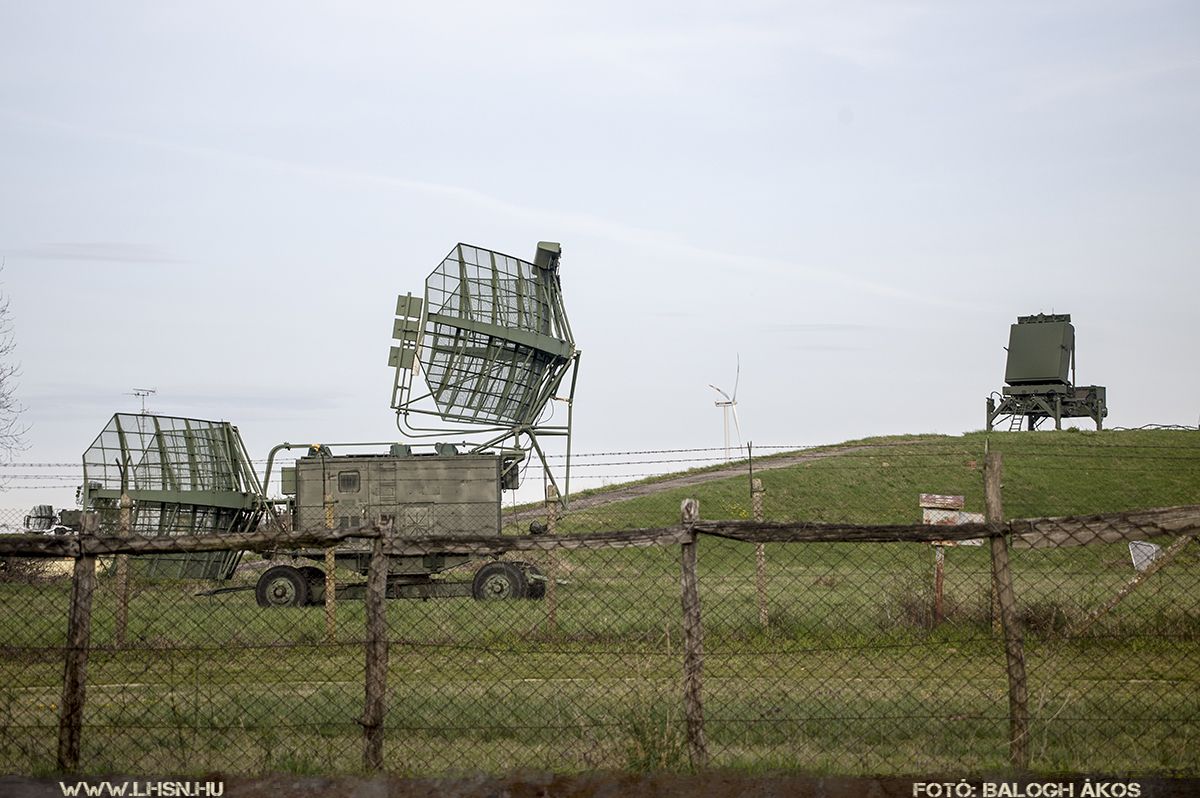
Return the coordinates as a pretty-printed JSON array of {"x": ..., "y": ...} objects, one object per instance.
[
  {"x": 191, "y": 476},
  {"x": 442, "y": 494},
  {"x": 489, "y": 338}
]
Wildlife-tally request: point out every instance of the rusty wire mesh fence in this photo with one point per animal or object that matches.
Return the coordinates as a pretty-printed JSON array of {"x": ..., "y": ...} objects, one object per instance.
[
  {"x": 849, "y": 673},
  {"x": 498, "y": 685},
  {"x": 192, "y": 684},
  {"x": 836, "y": 636},
  {"x": 1112, "y": 624}
]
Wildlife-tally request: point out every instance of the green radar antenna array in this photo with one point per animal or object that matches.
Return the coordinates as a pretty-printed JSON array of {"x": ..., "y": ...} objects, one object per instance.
[
  {"x": 491, "y": 337},
  {"x": 186, "y": 476}
]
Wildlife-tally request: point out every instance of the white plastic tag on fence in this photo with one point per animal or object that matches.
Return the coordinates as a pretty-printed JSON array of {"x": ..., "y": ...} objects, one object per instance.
[{"x": 1143, "y": 553}]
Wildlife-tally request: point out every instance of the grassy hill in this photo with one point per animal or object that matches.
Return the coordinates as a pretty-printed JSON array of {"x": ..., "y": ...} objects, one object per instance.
[{"x": 877, "y": 480}]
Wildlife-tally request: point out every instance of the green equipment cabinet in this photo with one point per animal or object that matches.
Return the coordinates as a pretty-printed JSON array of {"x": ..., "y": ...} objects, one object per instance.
[{"x": 441, "y": 494}]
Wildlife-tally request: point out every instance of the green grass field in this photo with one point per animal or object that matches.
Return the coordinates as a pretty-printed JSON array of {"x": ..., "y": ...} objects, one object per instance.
[{"x": 850, "y": 676}]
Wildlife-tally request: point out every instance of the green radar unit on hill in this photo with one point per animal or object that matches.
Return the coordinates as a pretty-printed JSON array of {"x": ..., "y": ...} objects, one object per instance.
[{"x": 1040, "y": 377}]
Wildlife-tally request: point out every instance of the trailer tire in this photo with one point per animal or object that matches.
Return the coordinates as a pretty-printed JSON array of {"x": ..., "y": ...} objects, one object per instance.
[
  {"x": 499, "y": 580},
  {"x": 281, "y": 586}
]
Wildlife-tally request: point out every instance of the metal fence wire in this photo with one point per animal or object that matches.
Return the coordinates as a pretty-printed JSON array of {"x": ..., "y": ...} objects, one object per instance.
[{"x": 901, "y": 608}]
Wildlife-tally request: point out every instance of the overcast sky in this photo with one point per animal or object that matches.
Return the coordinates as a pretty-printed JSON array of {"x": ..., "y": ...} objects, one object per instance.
[{"x": 222, "y": 200}]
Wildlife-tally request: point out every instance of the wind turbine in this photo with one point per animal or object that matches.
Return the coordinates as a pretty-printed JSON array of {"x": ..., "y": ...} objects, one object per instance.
[{"x": 730, "y": 405}]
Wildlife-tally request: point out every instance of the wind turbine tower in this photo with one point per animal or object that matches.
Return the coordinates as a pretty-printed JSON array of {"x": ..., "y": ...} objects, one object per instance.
[{"x": 729, "y": 406}]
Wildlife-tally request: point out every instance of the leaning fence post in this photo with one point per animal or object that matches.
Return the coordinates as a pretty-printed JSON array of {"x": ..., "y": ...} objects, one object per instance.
[
  {"x": 330, "y": 581},
  {"x": 760, "y": 553},
  {"x": 376, "y": 652},
  {"x": 79, "y": 624},
  {"x": 693, "y": 639},
  {"x": 551, "y": 558},
  {"x": 124, "y": 529},
  {"x": 1014, "y": 649},
  {"x": 330, "y": 596}
]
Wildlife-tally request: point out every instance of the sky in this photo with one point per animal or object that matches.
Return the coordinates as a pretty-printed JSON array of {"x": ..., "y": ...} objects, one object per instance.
[{"x": 221, "y": 201}]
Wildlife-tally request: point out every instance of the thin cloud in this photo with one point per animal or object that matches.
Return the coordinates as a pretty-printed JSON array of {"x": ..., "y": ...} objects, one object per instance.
[
  {"x": 102, "y": 251},
  {"x": 580, "y": 223},
  {"x": 86, "y": 398},
  {"x": 818, "y": 327},
  {"x": 824, "y": 348},
  {"x": 1096, "y": 80}
]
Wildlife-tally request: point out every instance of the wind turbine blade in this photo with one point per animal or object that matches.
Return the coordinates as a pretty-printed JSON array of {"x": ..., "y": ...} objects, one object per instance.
[
  {"x": 736, "y": 425},
  {"x": 737, "y": 377},
  {"x": 718, "y": 390}
]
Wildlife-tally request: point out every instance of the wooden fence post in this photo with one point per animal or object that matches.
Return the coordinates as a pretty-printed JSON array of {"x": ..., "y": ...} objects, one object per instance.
[
  {"x": 997, "y": 626},
  {"x": 760, "y": 553},
  {"x": 1014, "y": 649},
  {"x": 79, "y": 625},
  {"x": 330, "y": 581},
  {"x": 125, "y": 529},
  {"x": 330, "y": 596},
  {"x": 551, "y": 558},
  {"x": 693, "y": 640},
  {"x": 939, "y": 582},
  {"x": 551, "y": 509},
  {"x": 374, "y": 706}
]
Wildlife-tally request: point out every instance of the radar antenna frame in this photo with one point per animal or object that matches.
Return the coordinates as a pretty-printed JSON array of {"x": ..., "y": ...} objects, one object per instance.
[{"x": 492, "y": 337}]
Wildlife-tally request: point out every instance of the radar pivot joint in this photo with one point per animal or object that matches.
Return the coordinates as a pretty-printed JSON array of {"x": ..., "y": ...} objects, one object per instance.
[{"x": 548, "y": 254}]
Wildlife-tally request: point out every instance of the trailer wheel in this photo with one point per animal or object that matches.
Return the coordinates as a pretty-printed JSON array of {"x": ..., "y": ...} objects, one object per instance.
[
  {"x": 281, "y": 586},
  {"x": 499, "y": 580}
]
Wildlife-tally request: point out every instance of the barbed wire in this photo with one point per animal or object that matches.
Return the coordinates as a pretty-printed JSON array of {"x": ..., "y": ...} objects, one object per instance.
[
  {"x": 1122, "y": 454},
  {"x": 848, "y": 449}
]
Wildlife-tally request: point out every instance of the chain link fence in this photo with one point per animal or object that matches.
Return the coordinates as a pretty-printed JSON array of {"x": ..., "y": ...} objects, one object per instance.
[{"x": 844, "y": 611}]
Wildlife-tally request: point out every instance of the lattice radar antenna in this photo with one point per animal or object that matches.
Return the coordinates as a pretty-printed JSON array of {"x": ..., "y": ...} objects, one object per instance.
[{"x": 492, "y": 339}]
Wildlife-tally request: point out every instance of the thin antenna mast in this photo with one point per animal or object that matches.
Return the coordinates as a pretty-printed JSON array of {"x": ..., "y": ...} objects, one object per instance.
[{"x": 142, "y": 393}]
